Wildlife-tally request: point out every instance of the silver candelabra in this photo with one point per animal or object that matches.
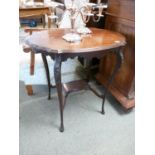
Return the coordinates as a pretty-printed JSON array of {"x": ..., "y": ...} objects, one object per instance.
[{"x": 87, "y": 11}]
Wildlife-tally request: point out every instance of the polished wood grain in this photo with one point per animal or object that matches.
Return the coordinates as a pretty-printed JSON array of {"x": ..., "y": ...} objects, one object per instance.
[
  {"x": 51, "y": 40},
  {"x": 121, "y": 17}
]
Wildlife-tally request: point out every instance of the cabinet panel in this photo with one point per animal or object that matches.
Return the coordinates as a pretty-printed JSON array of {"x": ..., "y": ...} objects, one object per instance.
[{"x": 121, "y": 20}]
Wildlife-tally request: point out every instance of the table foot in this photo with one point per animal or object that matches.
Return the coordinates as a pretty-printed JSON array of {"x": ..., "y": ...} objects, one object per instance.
[
  {"x": 61, "y": 129},
  {"x": 103, "y": 111},
  {"x": 103, "y": 101},
  {"x": 29, "y": 90},
  {"x": 49, "y": 97}
]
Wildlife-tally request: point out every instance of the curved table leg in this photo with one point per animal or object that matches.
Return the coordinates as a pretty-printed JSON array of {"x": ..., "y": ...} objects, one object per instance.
[
  {"x": 57, "y": 76},
  {"x": 119, "y": 56},
  {"x": 88, "y": 70},
  {"x": 47, "y": 75}
]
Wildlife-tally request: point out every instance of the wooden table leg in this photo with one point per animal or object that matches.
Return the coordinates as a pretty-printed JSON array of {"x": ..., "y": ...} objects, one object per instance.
[
  {"x": 119, "y": 61},
  {"x": 47, "y": 75},
  {"x": 29, "y": 89},
  {"x": 49, "y": 22},
  {"x": 88, "y": 69},
  {"x": 32, "y": 63},
  {"x": 57, "y": 76},
  {"x": 43, "y": 20}
]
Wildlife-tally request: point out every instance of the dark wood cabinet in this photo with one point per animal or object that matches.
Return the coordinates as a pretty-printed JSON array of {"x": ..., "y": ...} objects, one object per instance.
[{"x": 120, "y": 17}]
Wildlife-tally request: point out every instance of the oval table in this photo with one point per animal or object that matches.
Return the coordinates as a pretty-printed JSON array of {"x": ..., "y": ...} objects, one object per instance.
[{"x": 49, "y": 42}]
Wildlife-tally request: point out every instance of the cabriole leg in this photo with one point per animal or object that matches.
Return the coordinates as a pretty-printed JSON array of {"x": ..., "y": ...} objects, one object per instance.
[
  {"x": 47, "y": 75},
  {"x": 119, "y": 61},
  {"x": 57, "y": 76}
]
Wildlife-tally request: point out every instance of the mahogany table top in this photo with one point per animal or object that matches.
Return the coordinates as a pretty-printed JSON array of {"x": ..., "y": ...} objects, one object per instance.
[{"x": 52, "y": 41}]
